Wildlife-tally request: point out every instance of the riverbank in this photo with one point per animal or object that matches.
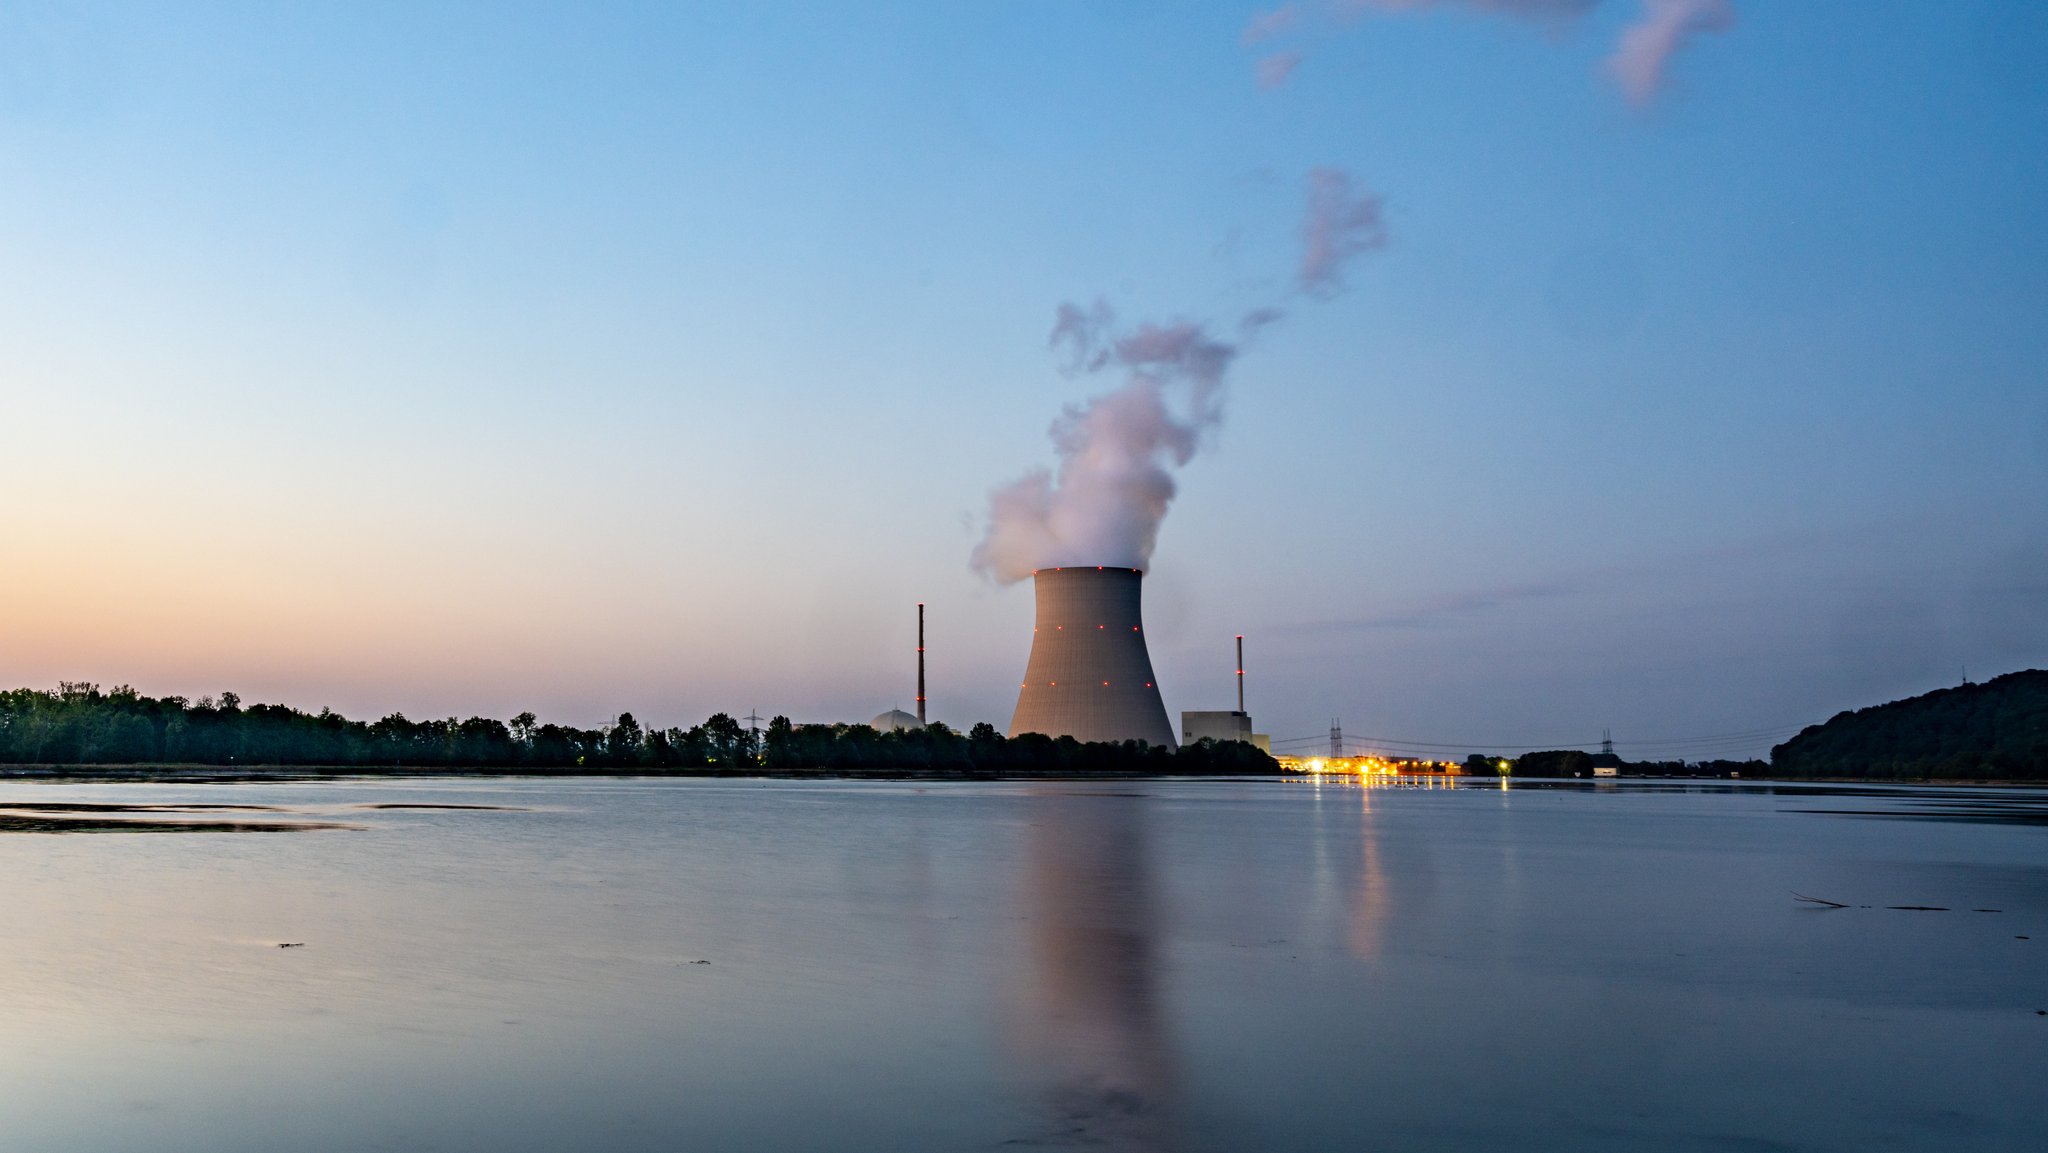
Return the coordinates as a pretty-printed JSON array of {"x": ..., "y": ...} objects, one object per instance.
[
  {"x": 262, "y": 774},
  {"x": 217, "y": 774}
]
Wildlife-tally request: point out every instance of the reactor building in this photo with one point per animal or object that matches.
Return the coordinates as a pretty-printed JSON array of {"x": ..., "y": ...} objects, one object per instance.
[
  {"x": 1221, "y": 726},
  {"x": 1089, "y": 676}
]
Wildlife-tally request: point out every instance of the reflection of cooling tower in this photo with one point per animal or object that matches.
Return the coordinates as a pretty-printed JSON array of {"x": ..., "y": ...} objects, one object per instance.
[{"x": 1089, "y": 676}]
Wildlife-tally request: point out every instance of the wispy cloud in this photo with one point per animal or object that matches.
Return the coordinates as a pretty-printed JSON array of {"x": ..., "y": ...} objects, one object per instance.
[
  {"x": 1266, "y": 25},
  {"x": 1524, "y": 9},
  {"x": 1340, "y": 224},
  {"x": 1643, "y": 55},
  {"x": 1441, "y": 611},
  {"x": 1639, "y": 64},
  {"x": 1782, "y": 551},
  {"x": 1274, "y": 70}
]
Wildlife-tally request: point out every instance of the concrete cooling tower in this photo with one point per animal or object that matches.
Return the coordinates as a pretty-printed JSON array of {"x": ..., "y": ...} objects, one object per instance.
[{"x": 1089, "y": 676}]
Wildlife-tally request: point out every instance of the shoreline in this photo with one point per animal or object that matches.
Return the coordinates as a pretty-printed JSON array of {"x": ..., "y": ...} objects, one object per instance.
[
  {"x": 259, "y": 774},
  {"x": 256, "y": 774}
]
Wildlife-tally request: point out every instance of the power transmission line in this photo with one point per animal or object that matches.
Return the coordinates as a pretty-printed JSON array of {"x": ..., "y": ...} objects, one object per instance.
[{"x": 1706, "y": 743}]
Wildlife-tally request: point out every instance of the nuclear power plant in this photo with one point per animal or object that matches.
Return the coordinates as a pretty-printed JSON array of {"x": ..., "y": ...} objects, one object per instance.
[{"x": 1089, "y": 676}]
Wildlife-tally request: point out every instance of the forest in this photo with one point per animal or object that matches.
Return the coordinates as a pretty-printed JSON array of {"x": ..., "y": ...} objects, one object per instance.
[
  {"x": 78, "y": 724},
  {"x": 1579, "y": 763},
  {"x": 1997, "y": 730}
]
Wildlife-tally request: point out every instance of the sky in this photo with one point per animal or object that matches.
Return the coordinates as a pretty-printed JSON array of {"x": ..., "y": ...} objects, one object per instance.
[{"x": 1671, "y": 367}]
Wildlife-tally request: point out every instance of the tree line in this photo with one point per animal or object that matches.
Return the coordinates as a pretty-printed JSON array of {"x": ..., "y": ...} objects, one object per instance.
[
  {"x": 78, "y": 724},
  {"x": 1997, "y": 730},
  {"x": 1580, "y": 763}
]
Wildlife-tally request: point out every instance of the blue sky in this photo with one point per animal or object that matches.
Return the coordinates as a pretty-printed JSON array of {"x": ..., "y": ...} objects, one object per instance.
[{"x": 471, "y": 358}]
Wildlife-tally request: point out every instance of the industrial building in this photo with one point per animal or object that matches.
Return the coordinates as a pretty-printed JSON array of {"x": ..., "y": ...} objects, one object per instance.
[
  {"x": 1225, "y": 726},
  {"x": 1089, "y": 676},
  {"x": 1231, "y": 726}
]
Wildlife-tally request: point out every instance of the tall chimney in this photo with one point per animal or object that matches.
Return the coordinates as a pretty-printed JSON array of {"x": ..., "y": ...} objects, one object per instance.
[
  {"x": 920, "y": 662},
  {"x": 1089, "y": 676},
  {"x": 1240, "y": 672}
]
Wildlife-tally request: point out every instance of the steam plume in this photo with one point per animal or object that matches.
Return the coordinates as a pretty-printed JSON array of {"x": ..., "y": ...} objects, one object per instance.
[
  {"x": 1104, "y": 501},
  {"x": 1340, "y": 224},
  {"x": 1113, "y": 485},
  {"x": 1646, "y": 47}
]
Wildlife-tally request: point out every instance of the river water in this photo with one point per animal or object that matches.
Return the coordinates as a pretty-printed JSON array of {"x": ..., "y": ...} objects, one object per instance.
[{"x": 602, "y": 964}]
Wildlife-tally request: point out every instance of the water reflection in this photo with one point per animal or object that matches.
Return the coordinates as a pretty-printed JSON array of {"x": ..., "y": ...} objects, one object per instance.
[
  {"x": 660, "y": 965},
  {"x": 1372, "y": 897},
  {"x": 85, "y": 817},
  {"x": 1089, "y": 1011}
]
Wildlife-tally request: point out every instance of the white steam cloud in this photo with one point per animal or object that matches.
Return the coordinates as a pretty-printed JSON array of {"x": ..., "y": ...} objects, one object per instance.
[
  {"x": 1117, "y": 451},
  {"x": 1105, "y": 500}
]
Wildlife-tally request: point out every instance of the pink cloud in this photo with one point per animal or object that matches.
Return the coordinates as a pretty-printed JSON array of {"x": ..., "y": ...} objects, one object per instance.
[
  {"x": 1340, "y": 224},
  {"x": 1641, "y": 56},
  {"x": 1274, "y": 70},
  {"x": 1665, "y": 26},
  {"x": 1266, "y": 25}
]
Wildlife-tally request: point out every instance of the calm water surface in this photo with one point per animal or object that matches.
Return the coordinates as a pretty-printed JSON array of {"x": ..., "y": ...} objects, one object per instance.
[{"x": 643, "y": 965}]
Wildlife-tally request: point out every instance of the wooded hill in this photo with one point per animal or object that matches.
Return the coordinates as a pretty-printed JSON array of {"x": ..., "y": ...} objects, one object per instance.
[{"x": 1994, "y": 731}]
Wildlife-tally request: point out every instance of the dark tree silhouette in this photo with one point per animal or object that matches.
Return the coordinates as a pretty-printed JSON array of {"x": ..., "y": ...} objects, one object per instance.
[{"x": 78, "y": 724}]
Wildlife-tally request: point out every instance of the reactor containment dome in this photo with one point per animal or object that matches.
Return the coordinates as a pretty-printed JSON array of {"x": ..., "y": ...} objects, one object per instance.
[
  {"x": 895, "y": 721},
  {"x": 1089, "y": 676}
]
